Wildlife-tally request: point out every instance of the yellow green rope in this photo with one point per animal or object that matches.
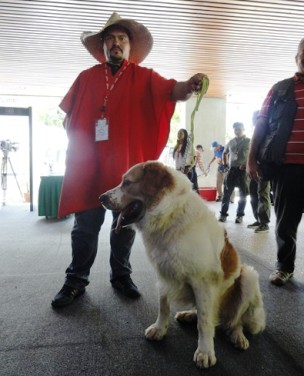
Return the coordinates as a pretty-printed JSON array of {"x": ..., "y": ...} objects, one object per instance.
[{"x": 199, "y": 97}]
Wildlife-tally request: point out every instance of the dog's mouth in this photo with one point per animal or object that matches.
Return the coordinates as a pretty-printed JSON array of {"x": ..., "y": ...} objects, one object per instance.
[{"x": 131, "y": 213}]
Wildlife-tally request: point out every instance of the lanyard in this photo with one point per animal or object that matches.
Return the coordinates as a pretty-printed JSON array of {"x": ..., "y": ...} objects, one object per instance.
[{"x": 109, "y": 87}]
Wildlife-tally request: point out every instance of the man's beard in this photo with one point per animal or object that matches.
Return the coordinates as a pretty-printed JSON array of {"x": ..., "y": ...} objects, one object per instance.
[{"x": 116, "y": 60}]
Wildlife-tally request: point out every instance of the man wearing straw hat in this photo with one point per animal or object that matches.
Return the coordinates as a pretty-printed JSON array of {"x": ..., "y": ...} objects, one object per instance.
[{"x": 117, "y": 114}]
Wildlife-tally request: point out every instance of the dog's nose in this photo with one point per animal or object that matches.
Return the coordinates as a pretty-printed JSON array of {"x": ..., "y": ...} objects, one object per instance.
[{"x": 104, "y": 199}]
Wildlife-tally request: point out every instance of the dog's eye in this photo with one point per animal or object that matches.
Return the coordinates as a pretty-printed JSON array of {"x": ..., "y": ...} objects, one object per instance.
[{"x": 126, "y": 183}]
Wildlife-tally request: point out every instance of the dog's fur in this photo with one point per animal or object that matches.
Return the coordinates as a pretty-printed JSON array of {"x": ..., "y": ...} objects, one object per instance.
[{"x": 197, "y": 266}]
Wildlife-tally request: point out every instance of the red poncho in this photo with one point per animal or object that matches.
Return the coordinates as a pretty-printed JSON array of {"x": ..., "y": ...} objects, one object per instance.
[{"x": 139, "y": 113}]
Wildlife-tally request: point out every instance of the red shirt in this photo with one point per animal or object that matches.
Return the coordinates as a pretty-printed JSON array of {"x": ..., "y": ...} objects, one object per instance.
[
  {"x": 138, "y": 112},
  {"x": 295, "y": 147}
]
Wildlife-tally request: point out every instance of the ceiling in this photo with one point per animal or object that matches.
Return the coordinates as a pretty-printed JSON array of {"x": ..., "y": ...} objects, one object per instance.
[{"x": 243, "y": 46}]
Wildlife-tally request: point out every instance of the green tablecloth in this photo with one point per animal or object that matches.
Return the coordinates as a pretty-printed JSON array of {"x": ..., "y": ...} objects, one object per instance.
[{"x": 49, "y": 195}]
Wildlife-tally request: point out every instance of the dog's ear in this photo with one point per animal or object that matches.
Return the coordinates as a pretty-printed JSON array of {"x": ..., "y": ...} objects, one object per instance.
[{"x": 156, "y": 178}]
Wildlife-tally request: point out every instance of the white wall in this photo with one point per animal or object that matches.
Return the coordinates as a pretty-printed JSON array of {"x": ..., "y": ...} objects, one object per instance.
[{"x": 209, "y": 126}]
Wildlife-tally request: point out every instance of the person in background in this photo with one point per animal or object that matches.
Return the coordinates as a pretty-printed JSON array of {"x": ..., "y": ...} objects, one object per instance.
[
  {"x": 184, "y": 157},
  {"x": 198, "y": 168},
  {"x": 237, "y": 151},
  {"x": 117, "y": 114},
  {"x": 277, "y": 141},
  {"x": 259, "y": 191},
  {"x": 221, "y": 173},
  {"x": 199, "y": 159}
]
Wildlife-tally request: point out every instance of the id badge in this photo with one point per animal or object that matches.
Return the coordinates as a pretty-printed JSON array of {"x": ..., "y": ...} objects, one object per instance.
[
  {"x": 234, "y": 156},
  {"x": 101, "y": 130}
]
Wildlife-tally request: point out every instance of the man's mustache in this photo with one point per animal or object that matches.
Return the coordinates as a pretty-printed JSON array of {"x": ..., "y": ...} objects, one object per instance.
[{"x": 115, "y": 46}]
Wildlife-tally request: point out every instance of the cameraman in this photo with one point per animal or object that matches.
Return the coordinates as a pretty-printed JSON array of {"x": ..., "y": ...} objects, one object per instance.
[{"x": 237, "y": 149}]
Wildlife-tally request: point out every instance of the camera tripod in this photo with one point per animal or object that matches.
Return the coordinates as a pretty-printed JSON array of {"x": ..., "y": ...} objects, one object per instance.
[{"x": 6, "y": 159}]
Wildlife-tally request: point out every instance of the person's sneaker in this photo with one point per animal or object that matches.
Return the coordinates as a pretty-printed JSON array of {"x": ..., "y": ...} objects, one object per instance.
[
  {"x": 255, "y": 224},
  {"x": 126, "y": 286},
  {"x": 219, "y": 199},
  {"x": 262, "y": 228},
  {"x": 66, "y": 296},
  {"x": 222, "y": 218},
  {"x": 239, "y": 219},
  {"x": 280, "y": 278}
]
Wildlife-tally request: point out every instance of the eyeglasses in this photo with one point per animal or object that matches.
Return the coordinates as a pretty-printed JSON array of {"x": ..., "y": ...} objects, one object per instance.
[{"x": 112, "y": 38}]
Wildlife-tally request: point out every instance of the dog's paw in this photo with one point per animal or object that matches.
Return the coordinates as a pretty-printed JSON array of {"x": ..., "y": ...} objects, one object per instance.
[
  {"x": 154, "y": 333},
  {"x": 204, "y": 360},
  {"x": 186, "y": 316},
  {"x": 239, "y": 340}
]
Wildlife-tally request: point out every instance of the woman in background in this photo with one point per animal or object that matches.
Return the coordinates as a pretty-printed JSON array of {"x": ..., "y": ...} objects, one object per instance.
[{"x": 184, "y": 157}]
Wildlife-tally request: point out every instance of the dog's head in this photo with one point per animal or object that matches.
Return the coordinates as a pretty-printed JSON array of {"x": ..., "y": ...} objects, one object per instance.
[{"x": 142, "y": 188}]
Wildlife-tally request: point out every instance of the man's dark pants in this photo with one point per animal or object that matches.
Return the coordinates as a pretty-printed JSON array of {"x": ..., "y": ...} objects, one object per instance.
[
  {"x": 235, "y": 178},
  {"x": 288, "y": 190},
  {"x": 260, "y": 200},
  {"x": 84, "y": 237}
]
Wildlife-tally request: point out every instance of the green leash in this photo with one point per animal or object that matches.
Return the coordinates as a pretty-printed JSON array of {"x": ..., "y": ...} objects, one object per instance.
[{"x": 199, "y": 97}]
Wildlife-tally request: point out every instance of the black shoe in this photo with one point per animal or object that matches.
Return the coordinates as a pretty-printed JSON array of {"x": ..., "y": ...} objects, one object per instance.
[
  {"x": 254, "y": 225},
  {"x": 239, "y": 219},
  {"x": 222, "y": 218},
  {"x": 126, "y": 286},
  {"x": 280, "y": 278},
  {"x": 262, "y": 228},
  {"x": 66, "y": 296}
]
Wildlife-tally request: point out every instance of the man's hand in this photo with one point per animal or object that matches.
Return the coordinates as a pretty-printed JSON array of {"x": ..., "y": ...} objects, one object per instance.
[
  {"x": 195, "y": 82},
  {"x": 226, "y": 168},
  {"x": 252, "y": 170},
  {"x": 183, "y": 90}
]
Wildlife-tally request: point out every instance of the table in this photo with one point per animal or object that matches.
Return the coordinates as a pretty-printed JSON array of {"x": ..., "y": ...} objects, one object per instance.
[{"x": 49, "y": 195}]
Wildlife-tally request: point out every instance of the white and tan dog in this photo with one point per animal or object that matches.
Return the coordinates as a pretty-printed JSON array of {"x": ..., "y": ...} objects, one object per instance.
[{"x": 196, "y": 264}]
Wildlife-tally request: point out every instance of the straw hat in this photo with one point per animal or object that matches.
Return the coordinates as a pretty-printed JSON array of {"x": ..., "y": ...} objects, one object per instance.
[{"x": 141, "y": 39}]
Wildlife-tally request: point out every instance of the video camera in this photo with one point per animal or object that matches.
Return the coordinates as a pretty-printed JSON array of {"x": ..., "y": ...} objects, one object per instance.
[{"x": 7, "y": 145}]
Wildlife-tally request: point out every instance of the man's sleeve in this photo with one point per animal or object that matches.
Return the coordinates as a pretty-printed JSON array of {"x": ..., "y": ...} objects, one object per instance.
[
  {"x": 266, "y": 105},
  {"x": 226, "y": 148},
  {"x": 247, "y": 146},
  {"x": 68, "y": 100}
]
